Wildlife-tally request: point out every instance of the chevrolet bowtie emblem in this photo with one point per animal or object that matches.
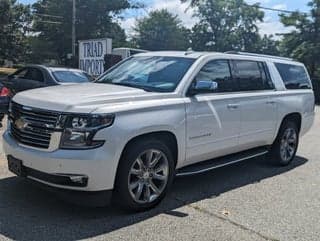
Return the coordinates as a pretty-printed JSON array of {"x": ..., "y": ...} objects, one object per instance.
[{"x": 21, "y": 123}]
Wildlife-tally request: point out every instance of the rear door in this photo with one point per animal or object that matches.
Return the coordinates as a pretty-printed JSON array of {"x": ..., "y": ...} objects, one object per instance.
[
  {"x": 10, "y": 81},
  {"x": 258, "y": 108}
]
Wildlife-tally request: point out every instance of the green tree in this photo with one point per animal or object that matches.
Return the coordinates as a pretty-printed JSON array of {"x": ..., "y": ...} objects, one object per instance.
[
  {"x": 193, "y": 3},
  {"x": 226, "y": 25},
  {"x": 303, "y": 42},
  {"x": 15, "y": 22},
  {"x": 267, "y": 45},
  {"x": 161, "y": 30},
  {"x": 95, "y": 19}
]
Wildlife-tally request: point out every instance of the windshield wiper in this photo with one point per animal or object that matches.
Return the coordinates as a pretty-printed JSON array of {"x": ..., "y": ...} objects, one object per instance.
[{"x": 145, "y": 88}]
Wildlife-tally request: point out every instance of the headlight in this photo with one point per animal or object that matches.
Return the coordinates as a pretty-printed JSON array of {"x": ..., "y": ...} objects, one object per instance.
[
  {"x": 79, "y": 130},
  {"x": 79, "y": 122}
]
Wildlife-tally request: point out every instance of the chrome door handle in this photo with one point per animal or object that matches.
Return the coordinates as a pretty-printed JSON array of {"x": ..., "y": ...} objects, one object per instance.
[{"x": 233, "y": 106}]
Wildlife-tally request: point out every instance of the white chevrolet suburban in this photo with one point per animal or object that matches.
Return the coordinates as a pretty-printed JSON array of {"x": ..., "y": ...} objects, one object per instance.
[{"x": 155, "y": 116}]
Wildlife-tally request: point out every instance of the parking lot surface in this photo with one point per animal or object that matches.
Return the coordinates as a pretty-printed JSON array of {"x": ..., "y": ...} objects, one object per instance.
[{"x": 252, "y": 200}]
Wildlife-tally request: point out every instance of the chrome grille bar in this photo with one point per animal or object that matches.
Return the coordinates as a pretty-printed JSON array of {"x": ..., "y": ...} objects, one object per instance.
[{"x": 31, "y": 126}]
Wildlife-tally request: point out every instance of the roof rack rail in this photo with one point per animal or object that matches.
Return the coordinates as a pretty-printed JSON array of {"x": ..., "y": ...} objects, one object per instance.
[{"x": 258, "y": 55}]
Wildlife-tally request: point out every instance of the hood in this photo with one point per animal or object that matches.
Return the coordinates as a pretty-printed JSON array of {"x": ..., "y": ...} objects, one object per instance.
[{"x": 82, "y": 98}]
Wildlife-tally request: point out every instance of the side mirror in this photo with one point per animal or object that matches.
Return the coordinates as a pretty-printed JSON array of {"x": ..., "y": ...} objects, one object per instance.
[{"x": 203, "y": 86}]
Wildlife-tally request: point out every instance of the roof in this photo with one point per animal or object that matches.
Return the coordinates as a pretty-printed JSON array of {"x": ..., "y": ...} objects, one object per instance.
[
  {"x": 235, "y": 55},
  {"x": 64, "y": 69},
  {"x": 52, "y": 68},
  {"x": 122, "y": 48},
  {"x": 183, "y": 54}
]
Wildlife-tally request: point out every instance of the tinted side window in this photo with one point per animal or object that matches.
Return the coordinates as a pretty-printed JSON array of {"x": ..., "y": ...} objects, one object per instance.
[
  {"x": 219, "y": 72},
  {"x": 34, "y": 74},
  {"x": 21, "y": 74},
  {"x": 251, "y": 75},
  {"x": 293, "y": 76}
]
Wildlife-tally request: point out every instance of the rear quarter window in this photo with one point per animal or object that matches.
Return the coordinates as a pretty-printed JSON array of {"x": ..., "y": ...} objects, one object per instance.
[
  {"x": 294, "y": 76},
  {"x": 251, "y": 75}
]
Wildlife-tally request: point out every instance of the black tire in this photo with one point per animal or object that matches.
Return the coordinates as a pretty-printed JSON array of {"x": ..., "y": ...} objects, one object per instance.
[
  {"x": 275, "y": 152},
  {"x": 122, "y": 194}
]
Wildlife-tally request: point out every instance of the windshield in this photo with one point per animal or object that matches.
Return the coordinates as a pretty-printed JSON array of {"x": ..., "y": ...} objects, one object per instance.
[
  {"x": 68, "y": 76},
  {"x": 155, "y": 73}
]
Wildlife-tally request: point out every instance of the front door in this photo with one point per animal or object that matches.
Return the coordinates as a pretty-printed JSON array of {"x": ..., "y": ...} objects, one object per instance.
[{"x": 213, "y": 119}]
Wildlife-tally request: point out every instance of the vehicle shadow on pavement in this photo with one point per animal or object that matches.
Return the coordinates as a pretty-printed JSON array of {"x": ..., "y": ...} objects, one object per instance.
[{"x": 30, "y": 213}]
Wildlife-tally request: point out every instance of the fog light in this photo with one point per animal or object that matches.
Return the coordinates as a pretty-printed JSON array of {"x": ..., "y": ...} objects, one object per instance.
[{"x": 79, "y": 179}]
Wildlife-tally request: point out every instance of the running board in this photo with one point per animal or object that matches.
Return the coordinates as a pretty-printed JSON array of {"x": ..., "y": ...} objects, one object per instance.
[{"x": 206, "y": 166}]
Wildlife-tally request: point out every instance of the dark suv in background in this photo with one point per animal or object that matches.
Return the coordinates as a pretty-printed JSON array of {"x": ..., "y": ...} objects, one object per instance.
[{"x": 37, "y": 76}]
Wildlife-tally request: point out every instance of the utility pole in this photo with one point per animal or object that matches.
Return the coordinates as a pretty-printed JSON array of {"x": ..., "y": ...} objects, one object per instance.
[{"x": 73, "y": 28}]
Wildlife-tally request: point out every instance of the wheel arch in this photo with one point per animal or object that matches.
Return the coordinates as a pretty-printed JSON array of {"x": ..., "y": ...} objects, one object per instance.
[
  {"x": 168, "y": 137},
  {"x": 296, "y": 117},
  {"x": 121, "y": 192}
]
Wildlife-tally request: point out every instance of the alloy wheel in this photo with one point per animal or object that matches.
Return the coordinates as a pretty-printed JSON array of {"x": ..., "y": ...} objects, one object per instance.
[
  {"x": 288, "y": 144},
  {"x": 148, "y": 176}
]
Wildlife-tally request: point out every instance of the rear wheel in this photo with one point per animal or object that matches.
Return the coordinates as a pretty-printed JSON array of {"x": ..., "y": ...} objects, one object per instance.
[
  {"x": 144, "y": 175},
  {"x": 285, "y": 147}
]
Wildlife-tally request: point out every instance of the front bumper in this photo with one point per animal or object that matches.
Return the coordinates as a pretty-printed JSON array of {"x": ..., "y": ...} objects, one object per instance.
[
  {"x": 97, "y": 165},
  {"x": 71, "y": 180}
]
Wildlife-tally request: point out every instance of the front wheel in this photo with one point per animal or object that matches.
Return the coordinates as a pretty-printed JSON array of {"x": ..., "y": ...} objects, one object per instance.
[
  {"x": 285, "y": 147},
  {"x": 144, "y": 175}
]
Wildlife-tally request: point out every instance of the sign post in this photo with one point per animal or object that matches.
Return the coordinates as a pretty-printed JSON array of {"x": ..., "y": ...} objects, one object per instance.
[{"x": 91, "y": 55}]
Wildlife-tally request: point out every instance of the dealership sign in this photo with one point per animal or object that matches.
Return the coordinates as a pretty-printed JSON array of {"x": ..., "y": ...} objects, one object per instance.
[{"x": 91, "y": 55}]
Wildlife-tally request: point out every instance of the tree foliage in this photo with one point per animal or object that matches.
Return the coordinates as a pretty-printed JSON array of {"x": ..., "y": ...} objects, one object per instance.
[
  {"x": 303, "y": 43},
  {"x": 223, "y": 25},
  {"x": 267, "y": 45},
  {"x": 161, "y": 30},
  {"x": 15, "y": 21},
  {"x": 53, "y": 22},
  {"x": 226, "y": 25}
]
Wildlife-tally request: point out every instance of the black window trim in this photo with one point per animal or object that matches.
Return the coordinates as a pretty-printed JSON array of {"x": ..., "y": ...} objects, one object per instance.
[
  {"x": 40, "y": 71},
  {"x": 266, "y": 70},
  {"x": 268, "y": 75},
  {"x": 215, "y": 93},
  {"x": 310, "y": 87},
  {"x": 232, "y": 69}
]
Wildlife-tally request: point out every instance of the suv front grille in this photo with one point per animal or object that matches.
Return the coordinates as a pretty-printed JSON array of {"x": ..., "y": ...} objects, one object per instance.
[{"x": 31, "y": 126}]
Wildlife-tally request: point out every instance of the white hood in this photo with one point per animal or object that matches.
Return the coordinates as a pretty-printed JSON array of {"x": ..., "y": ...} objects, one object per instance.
[{"x": 82, "y": 98}]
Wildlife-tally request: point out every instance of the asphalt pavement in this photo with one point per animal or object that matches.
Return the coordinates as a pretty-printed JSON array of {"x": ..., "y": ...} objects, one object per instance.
[{"x": 252, "y": 200}]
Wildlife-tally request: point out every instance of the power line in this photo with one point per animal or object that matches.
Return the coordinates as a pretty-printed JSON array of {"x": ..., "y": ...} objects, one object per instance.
[
  {"x": 40, "y": 20},
  {"x": 273, "y": 9},
  {"x": 50, "y": 22},
  {"x": 47, "y": 15},
  {"x": 269, "y": 9}
]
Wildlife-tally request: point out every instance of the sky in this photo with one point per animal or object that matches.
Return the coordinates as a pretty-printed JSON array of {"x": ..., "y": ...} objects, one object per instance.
[{"x": 271, "y": 24}]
